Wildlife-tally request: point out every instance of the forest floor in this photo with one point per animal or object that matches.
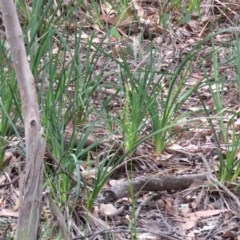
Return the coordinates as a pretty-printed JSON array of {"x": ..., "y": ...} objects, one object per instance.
[{"x": 175, "y": 194}]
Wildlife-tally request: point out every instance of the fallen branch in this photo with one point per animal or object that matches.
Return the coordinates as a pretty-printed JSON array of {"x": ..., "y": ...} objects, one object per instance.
[{"x": 163, "y": 183}]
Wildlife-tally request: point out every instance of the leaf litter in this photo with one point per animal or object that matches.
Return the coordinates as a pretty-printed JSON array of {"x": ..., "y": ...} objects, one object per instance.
[{"x": 201, "y": 211}]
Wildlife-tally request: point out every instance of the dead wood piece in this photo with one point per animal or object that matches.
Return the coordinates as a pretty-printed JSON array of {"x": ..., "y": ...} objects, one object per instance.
[
  {"x": 142, "y": 204},
  {"x": 164, "y": 183},
  {"x": 115, "y": 230},
  {"x": 59, "y": 217},
  {"x": 31, "y": 181}
]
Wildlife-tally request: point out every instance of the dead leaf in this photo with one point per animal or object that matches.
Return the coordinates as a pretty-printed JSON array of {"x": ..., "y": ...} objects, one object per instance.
[
  {"x": 8, "y": 213},
  {"x": 206, "y": 213},
  {"x": 107, "y": 210},
  {"x": 109, "y": 19},
  {"x": 147, "y": 236}
]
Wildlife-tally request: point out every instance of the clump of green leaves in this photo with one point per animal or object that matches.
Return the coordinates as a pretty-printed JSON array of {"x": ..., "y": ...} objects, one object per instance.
[
  {"x": 185, "y": 10},
  {"x": 221, "y": 119},
  {"x": 132, "y": 117},
  {"x": 10, "y": 109}
]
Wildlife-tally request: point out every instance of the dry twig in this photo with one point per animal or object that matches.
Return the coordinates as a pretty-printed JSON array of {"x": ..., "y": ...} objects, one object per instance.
[{"x": 213, "y": 179}]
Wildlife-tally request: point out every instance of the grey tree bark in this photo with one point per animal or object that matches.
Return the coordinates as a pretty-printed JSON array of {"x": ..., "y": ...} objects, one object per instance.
[{"x": 32, "y": 178}]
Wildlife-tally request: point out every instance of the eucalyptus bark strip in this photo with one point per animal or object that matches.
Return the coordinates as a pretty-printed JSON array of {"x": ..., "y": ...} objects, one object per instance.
[{"x": 32, "y": 180}]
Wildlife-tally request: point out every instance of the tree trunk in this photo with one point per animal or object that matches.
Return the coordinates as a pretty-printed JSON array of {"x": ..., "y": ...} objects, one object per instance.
[{"x": 32, "y": 177}]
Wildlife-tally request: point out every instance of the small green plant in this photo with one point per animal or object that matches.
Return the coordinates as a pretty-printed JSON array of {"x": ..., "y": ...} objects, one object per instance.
[
  {"x": 122, "y": 8},
  {"x": 185, "y": 10},
  {"x": 216, "y": 87},
  {"x": 67, "y": 112},
  {"x": 229, "y": 167},
  {"x": 135, "y": 86},
  {"x": 95, "y": 11},
  {"x": 220, "y": 117},
  {"x": 164, "y": 111},
  {"x": 133, "y": 115},
  {"x": 145, "y": 98},
  {"x": 10, "y": 109},
  {"x": 227, "y": 144},
  {"x": 236, "y": 56},
  {"x": 104, "y": 170}
]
